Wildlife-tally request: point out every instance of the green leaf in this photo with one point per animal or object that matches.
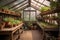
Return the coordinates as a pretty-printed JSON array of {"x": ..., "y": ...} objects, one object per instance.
[{"x": 45, "y": 9}]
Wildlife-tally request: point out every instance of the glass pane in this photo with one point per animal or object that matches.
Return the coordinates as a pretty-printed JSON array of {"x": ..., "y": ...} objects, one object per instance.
[
  {"x": 41, "y": 1},
  {"x": 15, "y": 3},
  {"x": 46, "y": 3},
  {"x": 32, "y": 8},
  {"x": 29, "y": 8},
  {"x": 19, "y": 5},
  {"x": 32, "y": 16},
  {"x": 35, "y": 3},
  {"x": 37, "y": 7},
  {"x": 26, "y": 16},
  {"x": 4, "y": 2},
  {"x": 22, "y": 7}
]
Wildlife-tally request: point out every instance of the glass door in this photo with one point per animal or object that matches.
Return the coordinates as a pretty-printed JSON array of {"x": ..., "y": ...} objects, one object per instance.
[
  {"x": 32, "y": 16},
  {"x": 29, "y": 15},
  {"x": 26, "y": 16}
]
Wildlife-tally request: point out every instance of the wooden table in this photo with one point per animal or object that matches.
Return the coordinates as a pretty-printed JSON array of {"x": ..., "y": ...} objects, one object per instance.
[{"x": 11, "y": 31}]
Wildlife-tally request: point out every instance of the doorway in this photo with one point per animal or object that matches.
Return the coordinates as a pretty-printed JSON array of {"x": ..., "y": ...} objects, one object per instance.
[{"x": 29, "y": 15}]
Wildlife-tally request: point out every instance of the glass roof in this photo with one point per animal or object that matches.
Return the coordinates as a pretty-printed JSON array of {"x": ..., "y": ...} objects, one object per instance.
[
  {"x": 16, "y": 2},
  {"x": 45, "y": 2},
  {"x": 29, "y": 8},
  {"x": 22, "y": 4}
]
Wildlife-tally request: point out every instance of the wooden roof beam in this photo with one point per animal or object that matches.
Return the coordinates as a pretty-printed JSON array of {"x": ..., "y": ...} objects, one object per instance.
[
  {"x": 35, "y": 4},
  {"x": 20, "y": 6},
  {"x": 35, "y": 7},
  {"x": 41, "y": 3},
  {"x": 8, "y": 3},
  {"x": 23, "y": 8},
  {"x": 17, "y": 4}
]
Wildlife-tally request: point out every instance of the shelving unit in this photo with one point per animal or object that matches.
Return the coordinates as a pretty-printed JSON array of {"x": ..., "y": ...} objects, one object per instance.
[
  {"x": 49, "y": 23},
  {"x": 47, "y": 29},
  {"x": 12, "y": 32},
  {"x": 8, "y": 12}
]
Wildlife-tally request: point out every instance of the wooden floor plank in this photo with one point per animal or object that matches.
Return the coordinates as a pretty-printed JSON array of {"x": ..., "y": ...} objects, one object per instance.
[{"x": 31, "y": 35}]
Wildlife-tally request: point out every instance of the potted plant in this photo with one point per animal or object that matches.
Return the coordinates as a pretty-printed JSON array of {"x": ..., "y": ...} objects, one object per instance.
[
  {"x": 8, "y": 22},
  {"x": 45, "y": 10},
  {"x": 5, "y": 9}
]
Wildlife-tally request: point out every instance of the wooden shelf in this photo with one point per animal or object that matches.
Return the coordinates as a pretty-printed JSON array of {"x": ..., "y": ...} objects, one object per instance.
[
  {"x": 11, "y": 31},
  {"x": 50, "y": 18},
  {"x": 8, "y": 12},
  {"x": 47, "y": 12},
  {"x": 47, "y": 27},
  {"x": 46, "y": 31},
  {"x": 50, "y": 11}
]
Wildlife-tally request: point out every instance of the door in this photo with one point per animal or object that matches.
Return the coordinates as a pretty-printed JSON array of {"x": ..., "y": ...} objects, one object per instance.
[{"x": 29, "y": 15}]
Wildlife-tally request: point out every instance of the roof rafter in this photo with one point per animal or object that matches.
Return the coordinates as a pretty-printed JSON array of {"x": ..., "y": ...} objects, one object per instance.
[
  {"x": 8, "y": 3},
  {"x": 41, "y": 3},
  {"x": 35, "y": 7},
  {"x": 17, "y": 4},
  {"x": 23, "y": 8},
  {"x": 35, "y": 4},
  {"x": 20, "y": 6}
]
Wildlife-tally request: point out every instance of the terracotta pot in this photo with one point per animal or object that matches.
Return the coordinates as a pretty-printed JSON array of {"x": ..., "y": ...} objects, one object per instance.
[
  {"x": 8, "y": 25},
  {"x": 14, "y": 25}
]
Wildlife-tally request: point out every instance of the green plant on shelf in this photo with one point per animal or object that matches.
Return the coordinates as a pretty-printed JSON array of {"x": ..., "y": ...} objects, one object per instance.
[
  {"x": 54, "y": 3},
  {"x": 45, "y": 9},
  {"x": 47, "y": 25},
  {"x": 6, "y": 7},
  {"x": 12, "y": 21}
]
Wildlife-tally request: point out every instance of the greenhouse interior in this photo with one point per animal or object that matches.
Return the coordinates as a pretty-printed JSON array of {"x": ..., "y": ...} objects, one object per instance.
[{"x": 29, "y": 19}]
